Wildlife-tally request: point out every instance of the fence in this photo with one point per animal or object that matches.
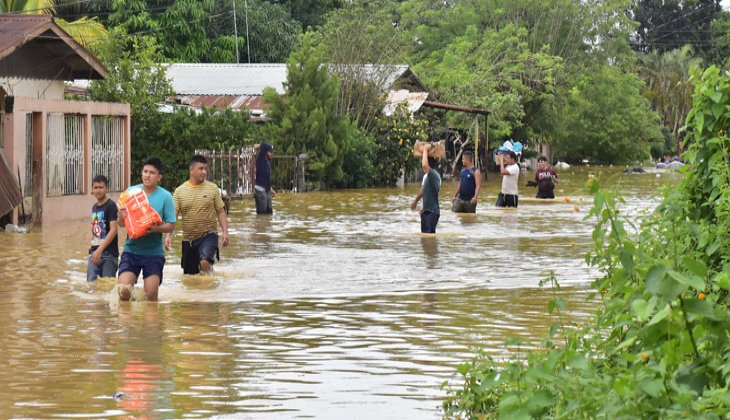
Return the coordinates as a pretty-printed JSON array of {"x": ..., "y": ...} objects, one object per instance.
[
  {"x": 107, "y": 149},
  {"x": 65, "y": 154},
  {"x": 234, "y": 171}
]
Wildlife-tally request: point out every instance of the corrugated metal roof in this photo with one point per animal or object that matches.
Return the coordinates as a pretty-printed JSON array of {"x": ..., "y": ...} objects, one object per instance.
[
  {"x": 247, "y": 102},
  {"x": 251, "y": 79},
  {"x": 226, "y": 79},
  {"x": 34, "y": 47},
  {"x": 413, "y": 100}
]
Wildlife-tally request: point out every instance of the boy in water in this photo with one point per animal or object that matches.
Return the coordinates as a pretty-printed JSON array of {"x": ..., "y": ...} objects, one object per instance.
[
  {"x": 546, "y": 178},
  {"x": 104, "y": 251},
  {"x": 146, "y": 254}
]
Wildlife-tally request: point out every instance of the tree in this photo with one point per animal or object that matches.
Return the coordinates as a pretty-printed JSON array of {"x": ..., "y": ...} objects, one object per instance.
[
  {"x": 311, "y": 13},
  {"x": 305, "y": 118},
  {"x": 273, "y": 34},
  {"x": 364, "y": 33},
  {"x": 606, "y": 119},
  {"x": 86, "y": 31},
  {"x": 135, "y": 77},
  {"x": 666, "y": 84},
  {"x": 395, "y": 137},
  {"x": 668, "y": 25}
]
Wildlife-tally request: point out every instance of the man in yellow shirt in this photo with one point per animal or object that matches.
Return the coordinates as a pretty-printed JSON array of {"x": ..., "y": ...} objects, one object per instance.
[{"x": 200, "y": 205}]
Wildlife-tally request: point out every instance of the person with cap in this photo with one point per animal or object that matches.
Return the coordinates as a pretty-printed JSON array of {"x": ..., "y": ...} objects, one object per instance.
[
  {"x": 200, "y": 204},
  {"x": 263, "y": 192}
]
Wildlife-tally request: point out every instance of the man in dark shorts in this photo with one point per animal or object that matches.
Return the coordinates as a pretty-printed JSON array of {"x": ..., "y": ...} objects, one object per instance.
[
  {"x": 510, "y": 171},
  {"x": 145, "y": 254},
  {"x": 429, "y": 191},
  {"x": 470, "y": 183},
  {"x": 199, "y": 203}
]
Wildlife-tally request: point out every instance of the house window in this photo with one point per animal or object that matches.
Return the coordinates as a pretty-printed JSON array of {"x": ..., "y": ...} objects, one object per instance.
[
  {"x": 65, "y": 154},
  {"x": 107, "y": 149}
]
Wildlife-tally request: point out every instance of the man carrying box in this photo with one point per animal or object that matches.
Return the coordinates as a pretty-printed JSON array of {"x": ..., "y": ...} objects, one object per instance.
[{"x": 145, "y": 254}]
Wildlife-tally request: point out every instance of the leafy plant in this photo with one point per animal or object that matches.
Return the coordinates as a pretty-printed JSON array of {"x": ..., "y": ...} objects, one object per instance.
[
  {"x": 658, "y": 346},
  {"x": 394, "y": 140},
  {"x": 305, "y": 119}
]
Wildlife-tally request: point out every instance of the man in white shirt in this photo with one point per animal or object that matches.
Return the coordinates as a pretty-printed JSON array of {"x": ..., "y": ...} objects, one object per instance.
[{"x": 510, "y": 171}]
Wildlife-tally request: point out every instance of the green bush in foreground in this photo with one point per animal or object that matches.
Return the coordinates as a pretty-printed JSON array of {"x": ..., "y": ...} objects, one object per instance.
[{"x": 659, "y": 346}]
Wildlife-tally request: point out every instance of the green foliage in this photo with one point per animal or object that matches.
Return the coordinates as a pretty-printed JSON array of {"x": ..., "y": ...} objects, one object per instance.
[
  {"x": 666, "y": 25},
  {"x": 363, "y": 32},
  {"x": 175, "y": 136},
  {"x": 658, "y": 345},
  {"x": 667, "y": 85},
  {"x": 395, "y": 137},
  {"x": 136, "y": 75},
  {"x": 606, "y": 119},
  {"x": 305, "y": 119},
  {"x": 357, "y": 166}
]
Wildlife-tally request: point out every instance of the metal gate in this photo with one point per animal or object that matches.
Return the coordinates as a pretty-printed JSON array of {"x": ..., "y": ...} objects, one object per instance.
[{"x": 234, "y": 171}]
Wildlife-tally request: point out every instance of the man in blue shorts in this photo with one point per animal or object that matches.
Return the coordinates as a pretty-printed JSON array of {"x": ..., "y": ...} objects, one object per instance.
[{"x": 145, "y": 254}]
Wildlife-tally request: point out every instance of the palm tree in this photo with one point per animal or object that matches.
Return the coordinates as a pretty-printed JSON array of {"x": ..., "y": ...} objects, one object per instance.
[
  {"x": 667, "y": 86},
  {"x": 85, "y": 31}
]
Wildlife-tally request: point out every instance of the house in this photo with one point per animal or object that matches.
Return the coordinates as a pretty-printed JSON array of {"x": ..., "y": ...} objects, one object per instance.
[
  {"x": 241, "y": 86},
  {"x": 55, "y": 145}
]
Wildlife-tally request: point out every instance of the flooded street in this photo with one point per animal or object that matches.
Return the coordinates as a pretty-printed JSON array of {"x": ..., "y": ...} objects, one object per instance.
[{"x": 334, "y": 307}]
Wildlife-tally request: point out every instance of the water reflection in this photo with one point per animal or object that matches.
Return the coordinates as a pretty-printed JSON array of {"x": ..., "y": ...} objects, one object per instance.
[
  {"x": 142, "y": 374},
  {"x": 430, "y": 250},
  {"x": 335, "y": 306}
]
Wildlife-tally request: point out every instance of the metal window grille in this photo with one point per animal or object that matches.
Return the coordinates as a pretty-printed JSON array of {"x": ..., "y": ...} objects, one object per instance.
[
  {"x": 65, "y": 154},
  {"x": 107, "y": 149},
  {"x": 28, "y": 186}
]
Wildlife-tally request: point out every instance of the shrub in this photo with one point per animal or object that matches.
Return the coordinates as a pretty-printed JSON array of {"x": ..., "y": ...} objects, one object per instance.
[{"x": 658, "y": 346}]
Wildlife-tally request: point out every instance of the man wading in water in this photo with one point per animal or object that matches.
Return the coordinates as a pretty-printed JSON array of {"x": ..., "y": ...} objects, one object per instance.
[
  {"x": 145, "y": 254},
  {"x": 200, "y": 204},
  {"x": 262, "y": 191},
  {"x": 429, "y": 191},
  {"x": 470, "y": 183}
]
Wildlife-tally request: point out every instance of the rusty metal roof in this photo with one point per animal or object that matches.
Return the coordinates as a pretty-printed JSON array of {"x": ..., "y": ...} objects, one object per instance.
[{"x": 35, "y": 47}]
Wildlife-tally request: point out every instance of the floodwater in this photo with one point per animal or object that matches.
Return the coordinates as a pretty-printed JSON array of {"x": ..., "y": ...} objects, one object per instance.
[{"x": 336, "y": 306}]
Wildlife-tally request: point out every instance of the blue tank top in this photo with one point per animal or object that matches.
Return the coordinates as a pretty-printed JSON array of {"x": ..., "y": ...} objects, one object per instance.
[{"x": 468, "y": 183}]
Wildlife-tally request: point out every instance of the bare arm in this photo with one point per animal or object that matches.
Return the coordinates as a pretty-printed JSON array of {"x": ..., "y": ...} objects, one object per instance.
[
  {"x": 424, "y": 159},
  {"x": 502, "y": 169},
  {"x": 417, "y": 199},
  {"x": 121, "y": 214},
  {"x": 223, "y": 220},
  {"x": 110, "y": 236},
  {"x": 478, "y": 178},
  {"x": 458, "y": 187},
  {"x": 167, "y": 243},
  {"x": 163, "y": 228}
]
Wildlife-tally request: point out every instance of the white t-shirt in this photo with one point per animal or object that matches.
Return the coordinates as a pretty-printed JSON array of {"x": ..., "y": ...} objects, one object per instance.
[{"x": 509, "y": 182}]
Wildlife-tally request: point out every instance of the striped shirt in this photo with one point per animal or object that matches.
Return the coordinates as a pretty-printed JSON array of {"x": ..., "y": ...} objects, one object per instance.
[{"x": 198, "y": 206}]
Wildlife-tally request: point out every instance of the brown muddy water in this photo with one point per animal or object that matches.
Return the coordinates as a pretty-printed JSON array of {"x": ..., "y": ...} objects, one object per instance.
[{"x": 334, "y": 307}]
